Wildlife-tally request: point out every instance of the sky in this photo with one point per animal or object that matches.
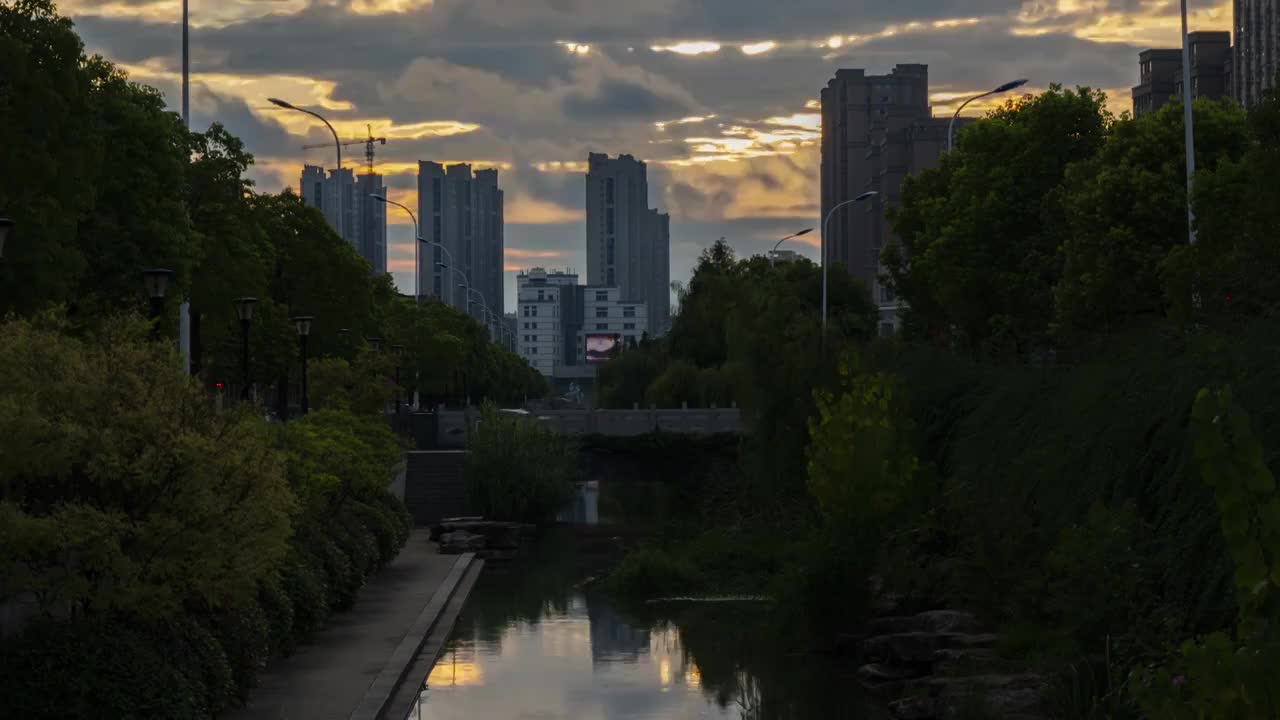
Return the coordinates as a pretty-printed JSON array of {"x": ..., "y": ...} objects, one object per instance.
[{"x": 718, "y": 96}]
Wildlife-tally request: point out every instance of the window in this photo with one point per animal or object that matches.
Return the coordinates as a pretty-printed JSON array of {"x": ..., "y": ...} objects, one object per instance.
[
  {"x": 609, "y": 254},
  {"x": 435, "y": 232},
  {"x": 608, "y": 195},
  {"x": 533, "y": 351},
  {"x": 542, "y": 295},
  {"x": 602, "y": 296},
  {"x": 602, "y": 326},
  {"x": 319, "y": 195},
  {"x": 629, "y": 326},
  {"x": 609, "y": 221},
  {"x": 533, "y": 311},
  {"x": 628, "y": 312},
  {"x": 435, "y": 193},
  {"x": 602, "y": 312},
  {"x": 610, "y": 276}
]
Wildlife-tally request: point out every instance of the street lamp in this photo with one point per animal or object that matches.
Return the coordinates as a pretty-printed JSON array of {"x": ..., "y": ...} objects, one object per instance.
[
  {"x": 773, "y": 252},
  {"x": 303, "y": 325},
  {"x": 826, "y": 227},
  {"x": 6, "y": 229},
  {"x": 337, "y": 145},
  {"x": 375, "y": 343},
  {"x": 1011, "y": 85},
  {"x": 446, "y": 254},
  {"x": 484, "y": 307},
  {"x": 398, "y": 350},
  {"x": 417, "y": 263},
  {"x": 1188, "y": 122},
  {"x": 156, "y": 281},
  {"x": 244, "y": 310}
]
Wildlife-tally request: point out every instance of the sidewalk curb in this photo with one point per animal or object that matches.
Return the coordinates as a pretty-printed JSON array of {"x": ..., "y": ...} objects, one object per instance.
[{"x": 384, "y": 686}]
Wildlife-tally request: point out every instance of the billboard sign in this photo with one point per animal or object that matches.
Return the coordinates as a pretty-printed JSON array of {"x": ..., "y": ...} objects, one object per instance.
[{"x": 600, "y": 348}]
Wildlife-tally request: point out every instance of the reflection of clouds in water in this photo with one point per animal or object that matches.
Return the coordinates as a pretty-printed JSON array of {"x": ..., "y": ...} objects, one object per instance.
[{"x": 585, "y": 663}]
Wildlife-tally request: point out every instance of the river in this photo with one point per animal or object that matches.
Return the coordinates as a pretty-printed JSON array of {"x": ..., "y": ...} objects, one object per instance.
[{"x": 537, "y": 641}]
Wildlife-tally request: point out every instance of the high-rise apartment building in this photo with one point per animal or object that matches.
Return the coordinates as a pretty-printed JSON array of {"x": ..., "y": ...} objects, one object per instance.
[
  {"x": 876, "y": 130},
  {"x": 363, "y": 222},
  {"x": 460, "y": 215},
  {"x": 628, "y": 243},
  {"x": 1256, "y": 56},
  {"x": 549, "y": 318},
  {"x": 1160, "y": 72}
]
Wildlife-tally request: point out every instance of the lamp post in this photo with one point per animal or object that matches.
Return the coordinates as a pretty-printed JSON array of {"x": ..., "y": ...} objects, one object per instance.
[
  {"x": 375, "y": 343},
  {"x": 6, "y": 229},
  {"x": 244, "y": 310},
  {"x": 156, "y": 281},
  {"x": 1188, "y": 122},
  {"x": 484, "y": 306},
  {"x": 826, "y": 226},
  {"x": 951, "y": 126},
  {"x": 303, "y": 325},
  {"x": 774, "y": 251},
  {"x": 447, "y": 254},
  {"x": 398, "y": 350},
  {"x": 417, "y": 263},
  {"x": 342, "y": 223}
]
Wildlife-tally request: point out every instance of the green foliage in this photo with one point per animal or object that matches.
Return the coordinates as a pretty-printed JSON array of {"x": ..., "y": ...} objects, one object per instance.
[
  {"x": 978, "y": 252},
  {"x": 1230, "y": 675},
  {"x": 517, "y": 469},
  {"x": 653, "y": 572},
  {"x": 1125, "y": 210},
  {"x": 863, "y": 470}
]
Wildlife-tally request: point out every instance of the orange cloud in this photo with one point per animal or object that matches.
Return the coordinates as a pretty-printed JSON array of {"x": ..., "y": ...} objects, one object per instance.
[{"x": 528, "y": 254}]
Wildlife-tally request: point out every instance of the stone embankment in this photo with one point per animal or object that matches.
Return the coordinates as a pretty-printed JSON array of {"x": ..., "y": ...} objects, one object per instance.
[{"x": 943, "y": 664}]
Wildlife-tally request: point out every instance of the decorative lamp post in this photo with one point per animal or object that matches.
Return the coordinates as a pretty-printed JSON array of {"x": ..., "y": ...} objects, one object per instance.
[
  {"x": 397, "y": 349},
  {"x": 244, "y": 309},
  {"x": 303, "y": 324},
  {"x": 6, "y": 229},
  {"x": 156, "y": 281}
]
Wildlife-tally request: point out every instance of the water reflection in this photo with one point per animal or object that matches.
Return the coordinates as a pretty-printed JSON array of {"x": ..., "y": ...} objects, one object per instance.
[{"x": 533, "y": 644}]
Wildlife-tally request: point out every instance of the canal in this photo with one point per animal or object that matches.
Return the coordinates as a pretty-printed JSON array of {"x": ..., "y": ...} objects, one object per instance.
[{"x": 540, "y": 640}]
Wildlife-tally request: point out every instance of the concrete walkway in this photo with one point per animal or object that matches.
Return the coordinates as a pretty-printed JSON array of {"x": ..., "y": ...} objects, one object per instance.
[{"x": 359, "y": 659}]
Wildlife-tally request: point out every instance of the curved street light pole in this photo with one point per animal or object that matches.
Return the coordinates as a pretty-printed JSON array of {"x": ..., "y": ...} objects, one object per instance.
[
  {"x": 776, "y": 245},
  {"x": 484, "y": 306},
  {"x": 951, "y": 126},
  {"x": 826, "y": 226},
  {"x": 417, "y": 263},
  {"x": 439, "y": 264},
  {"x": 342, "y": 223}
]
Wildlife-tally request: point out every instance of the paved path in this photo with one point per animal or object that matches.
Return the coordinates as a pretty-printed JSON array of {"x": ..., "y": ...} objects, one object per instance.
[{"x": 330, "y": 678}]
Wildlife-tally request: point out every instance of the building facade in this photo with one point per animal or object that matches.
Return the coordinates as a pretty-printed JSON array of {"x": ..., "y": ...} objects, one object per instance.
[
  {"x": 606, "y": 312},
  {"x": 1256, "y": 55},
  {"x": 363, "y": 221},
  {"x": 876, "y": 130},
  {"x": 556, "y": 315},
  {"x": 460, "y": 215},
  {"x": 628, "y": 243},
  {"x": 1160, "y": 72}
]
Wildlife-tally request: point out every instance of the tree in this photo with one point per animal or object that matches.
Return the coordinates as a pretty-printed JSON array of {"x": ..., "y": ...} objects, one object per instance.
[
  {"x": 119, "y": 479},
  {"x": 1125, "y": 208},
  {"x": 977, "y": 254}
]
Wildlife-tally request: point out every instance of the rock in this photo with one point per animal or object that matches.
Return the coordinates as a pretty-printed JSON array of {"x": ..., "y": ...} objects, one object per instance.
[
  {"x": 969, "y": 661},
  {"x": 885, "y": 679},
  {"x": 1001, "y": 695},
  {"x": 460, "y": 541},
  {"x": 914, "y": 648},
  {"x": 920, "y": 707},
  {"x": 956, "y": 621}
]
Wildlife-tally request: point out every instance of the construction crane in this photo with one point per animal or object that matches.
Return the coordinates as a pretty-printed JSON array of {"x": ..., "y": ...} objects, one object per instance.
[{"x": 367, "y": 143}]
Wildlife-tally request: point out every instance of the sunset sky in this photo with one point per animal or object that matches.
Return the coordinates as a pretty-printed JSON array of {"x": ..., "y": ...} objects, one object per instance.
[{"x": 719, "y": 96}]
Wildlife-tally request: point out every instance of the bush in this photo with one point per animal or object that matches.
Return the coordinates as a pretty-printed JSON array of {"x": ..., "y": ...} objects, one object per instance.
[
  {"x": 652, "y": 572},
  {"x": 517, "y": 469}
]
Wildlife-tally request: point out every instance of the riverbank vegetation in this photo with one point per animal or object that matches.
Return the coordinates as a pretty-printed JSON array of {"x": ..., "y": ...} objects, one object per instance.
[
  {"x": 1026, "y": 448},
  {"x": 517, "y": 468},
  {"x": 157, "y": 548}
]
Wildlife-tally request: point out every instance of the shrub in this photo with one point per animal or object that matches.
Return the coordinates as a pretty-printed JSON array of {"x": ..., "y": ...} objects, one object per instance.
[
  {"x": 652, "y": 572},
  {"x": 517, "y": 469}
]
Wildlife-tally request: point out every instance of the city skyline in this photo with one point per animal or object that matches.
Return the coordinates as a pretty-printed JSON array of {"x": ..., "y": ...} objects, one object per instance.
[{"x": 719, "y": 98}]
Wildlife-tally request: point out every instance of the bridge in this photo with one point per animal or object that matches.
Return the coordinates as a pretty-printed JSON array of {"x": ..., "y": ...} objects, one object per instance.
[{"x": 452, "y": 425}]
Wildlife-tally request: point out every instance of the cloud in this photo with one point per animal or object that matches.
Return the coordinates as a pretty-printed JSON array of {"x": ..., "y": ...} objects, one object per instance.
[{"x": 622, "y": 98}]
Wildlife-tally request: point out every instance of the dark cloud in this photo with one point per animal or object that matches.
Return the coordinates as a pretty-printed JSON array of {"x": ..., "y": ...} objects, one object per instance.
[{"x": 623, "y": 99}]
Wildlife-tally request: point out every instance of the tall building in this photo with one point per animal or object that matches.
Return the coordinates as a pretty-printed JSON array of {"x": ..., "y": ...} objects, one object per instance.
[
  {"x": 549, "y": 318},
  {"x": 363, "y": 222},
  {"x": 463, "y": 212},
  {"x": 876, "y": 130},
  {"x": 628, "y": 243},
  {"x": 1160, "y": 72},
  {"x": 1256, "y": 57}
]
